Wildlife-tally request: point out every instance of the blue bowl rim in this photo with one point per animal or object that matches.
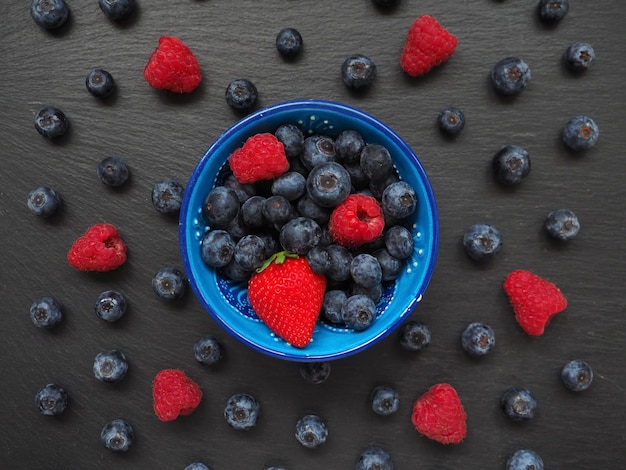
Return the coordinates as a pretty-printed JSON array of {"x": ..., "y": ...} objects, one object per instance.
[{"x": 311, "y": 105}]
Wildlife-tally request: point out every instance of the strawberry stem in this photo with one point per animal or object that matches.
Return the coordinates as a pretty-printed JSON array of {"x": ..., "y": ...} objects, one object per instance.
[{"x": 278, "y": 258}]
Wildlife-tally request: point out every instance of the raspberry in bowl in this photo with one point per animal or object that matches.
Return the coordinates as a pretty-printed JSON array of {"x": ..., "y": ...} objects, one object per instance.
[{"x": 348, "y": 291}]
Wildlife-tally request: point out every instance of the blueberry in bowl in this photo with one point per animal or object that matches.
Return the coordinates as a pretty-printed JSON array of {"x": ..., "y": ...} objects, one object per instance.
[{"x": 317, "y": 234}]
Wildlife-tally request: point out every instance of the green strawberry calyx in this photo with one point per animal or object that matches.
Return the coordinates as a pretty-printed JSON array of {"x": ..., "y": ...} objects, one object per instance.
[{"x": 278, "y": 258}]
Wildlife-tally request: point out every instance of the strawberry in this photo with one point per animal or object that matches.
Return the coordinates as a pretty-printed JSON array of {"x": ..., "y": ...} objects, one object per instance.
[
  {"x": 172, "y": 66},
  {"x": 427, "y": 45},
  {"x": 357, "y": 220},
  {"x": 262, "y": 157},
  {"x": 534, "y": 300},
  {"x": 439, "y": 415},
  {"x": 100, "y": 248},
  {"x": 287, "y": 295},
  {"x": 174, "y": 394}
]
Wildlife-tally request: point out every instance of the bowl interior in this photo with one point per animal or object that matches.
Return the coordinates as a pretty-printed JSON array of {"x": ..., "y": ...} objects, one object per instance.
[{"x": 227, "y": 302}]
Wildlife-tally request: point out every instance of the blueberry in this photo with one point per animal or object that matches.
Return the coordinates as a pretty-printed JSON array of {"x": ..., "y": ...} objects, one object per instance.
[
  {"x": 111, "y": 305},
  {"x": 51, "y": 122},
  {"x": 478, "y": 339},
  {"x": 291, "y": 185},
  {"x": 289, "y": 42},
  {"x": 375, "y": 458},
  {"x": 220, "y": 206},
  {"x": 399, "y": 200},
  {"x": 311, "y": 431},
  {"x": 318, "y": 149},
  {"x": 328, "y": 184},
  {"x": 451, "y": 120},
  {"x": 117, "y": 435},
  {"x": 482, "y": 242},
  {"x": 207, "y": 350},
  {"x": 518, "y": 403},
  {"x": 235, "y": 272},
  {"x": 117, "y": 10},
  {"x": 552, "y": 11},
  {"x": 399, "y": 242},
  {"x": 113, "y": 171},
  {"x": 365, "y": 270},
  {"x": 167, "y": 196},
  {"x": 100, "y": 83},
  {"x": 562, "y": 224},
  {"x": 358, "y": 71},
  {"x": 360, "y": 181},
  {"x": 292, "y": 138},
  {"x": 374, "y": 292},
  {"x": 524, "y": 459},
  {"x": 242, "y": 411},
  {"x": 375, "y": 160},
  {"x": 340, "y": 261},
  {"x": 331, "y": 306},
  {"x": 46, "y": 312},
  {"x": 348, "y": 145},
  {"x": 217, "y": 248},
  {"x": 358, "y": 312},
  {"x": 319, "y": 259},
  {"x": 315, "y": 372},
  {"x": 277, "y": 210},
  {"x": 511, "y": 165},
  {"x": 52, "y": 400},
  {"x": 579, "y": 56},
  {"x": 169, "y": 283},
  {"x": 252, "y": 211},
  {"x": 580, "y": 133},
  {"x": 306, "y": 207},
  {"x": 390, "y": 266},
  {"x": 110, "y": 366},
  {"x": 385, "y": 400},
  {"x": 577, "y": 375},
  {"x": 299, "y": 235},
  {"x": 244, "y": 191},
  {"x": 44, "y": 201},
  {"x": 270, "y": 243},
  {"x": 510, "y": 75},
  {"x": 415, "y": 336},
  {"x": 241, "y": 95},
  {"x": 196, "y": 466},
  {"x": 49, "y": 14},
  {"x": 250, "y": 252}
]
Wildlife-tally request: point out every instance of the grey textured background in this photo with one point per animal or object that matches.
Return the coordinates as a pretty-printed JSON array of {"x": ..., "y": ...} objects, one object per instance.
[{"x": 161, "y": 135}]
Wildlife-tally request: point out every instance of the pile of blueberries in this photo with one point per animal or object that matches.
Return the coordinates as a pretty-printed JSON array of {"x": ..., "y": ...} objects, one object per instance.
[{"x": 250, "y": 222}]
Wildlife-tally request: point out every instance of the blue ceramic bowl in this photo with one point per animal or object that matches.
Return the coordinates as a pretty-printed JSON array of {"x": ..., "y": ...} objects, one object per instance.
[{"x": 227, "y": 302}]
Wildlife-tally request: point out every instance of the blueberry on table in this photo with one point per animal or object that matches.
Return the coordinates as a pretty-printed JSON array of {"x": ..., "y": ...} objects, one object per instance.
[
  {"x": 46, "y": 312},
  {"x": 562, "y": 224},
  {"x": 169, "y": 283},
  {"x": 524, "y": 459},
  {"x": 511, "y": 165},
  {"x": 579, "y": 56},
  {"x": 374, "y": 458},
  {"x": 580, "y": 133},
  {"x": 51, "y": 122},
  {"x": 289, "y": 42},
  {"x": 44, "y": 201},
  {"x": 117, "y": 10},
  {"x": 52, "y": 400},
  {"x": 196, "y": 466},
  {"x": 577, "y": 375},
  {"x": 510, "y": 75},
  {"x": 415, "y": 336},
  {"x": 358, "y": 71},
  {"x": 518, "y": 403},
  {"x": 113, "y": 171},
  {"x": 207, "y": 350},
  {"x": 117, "y": 435},
  {"x": 242, "y": 411},
  {"x": 110, "y": 366},
  {"x": 451, "y": 120},
  {"x": 49, "y": 14},
  {"x": 100, "y": 83},
  {"x": 385, "y": 400},
  {"x": 478, "y": 339},
  {"x": 111, "y": 305},
  {"x": 315, "y": 373},
  {"x": 241, "y": 95},
  {"x": 311, "y": 431},
  {"x": 167, "y": 196},
  {"x": 482, "y": 242},
  {"x": 552, "y": 11}
]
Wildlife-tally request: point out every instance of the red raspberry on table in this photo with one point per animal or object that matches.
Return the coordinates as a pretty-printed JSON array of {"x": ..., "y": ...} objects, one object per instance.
[
  {"x": 174, "y": 394},
  {"x": 100, "y": 248},
  {"x": 439, "y": 415},
  {"x": 262, "y": 157},
  {"x": 357, "y": 220},
  {"x": 427, "y": 45},
  {"x": 534, "y": 300},
  {"x": 172, "y": 66}
]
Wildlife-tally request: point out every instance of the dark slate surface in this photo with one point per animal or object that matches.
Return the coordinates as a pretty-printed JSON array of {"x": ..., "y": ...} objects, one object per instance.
[{"x": 161, "y": 135}]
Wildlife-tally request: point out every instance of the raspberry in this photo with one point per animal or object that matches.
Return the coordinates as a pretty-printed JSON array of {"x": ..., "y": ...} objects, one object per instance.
[
  {"x": 99, "y": 249},
  {"x": 262, "y": 157},
  {"x": 172, "y": 66},
  {"x": 427, "y": 45},
  {"x": 357, "y": 220},
  {"x": 439, "y": 415},
  {"x": 534, "y": 300},
  {"x": 174, "y": 394}
]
